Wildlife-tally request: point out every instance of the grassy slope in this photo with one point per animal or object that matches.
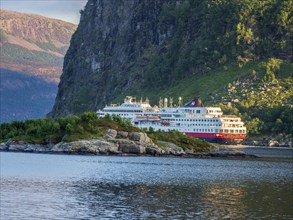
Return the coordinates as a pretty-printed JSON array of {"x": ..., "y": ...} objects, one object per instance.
[{"x": 209, "y": 84}]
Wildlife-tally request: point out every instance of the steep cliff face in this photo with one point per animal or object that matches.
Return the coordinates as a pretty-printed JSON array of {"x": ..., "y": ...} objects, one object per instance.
[
  {"x": 101, "y": 60},
  {"x": 139, "y": 47}
]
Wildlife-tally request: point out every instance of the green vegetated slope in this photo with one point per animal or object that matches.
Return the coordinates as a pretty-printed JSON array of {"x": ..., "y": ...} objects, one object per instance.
[
  {"x": 212, "y": 34},
  {"x": 22, "y": 55},
  {"x": 221, "y": 50}
]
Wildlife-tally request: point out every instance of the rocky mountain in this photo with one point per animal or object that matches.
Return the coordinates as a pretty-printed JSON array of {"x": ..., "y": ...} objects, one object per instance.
[
  {"x": 153, "y": 47},
  {"x": 34, "y": 44},
  {"x": 31, "y": 59}
]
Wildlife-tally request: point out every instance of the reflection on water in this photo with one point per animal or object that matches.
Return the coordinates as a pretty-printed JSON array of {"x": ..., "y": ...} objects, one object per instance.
[
  {"x": 225, "y": 200},
  {"x": 80, "y": 187}
]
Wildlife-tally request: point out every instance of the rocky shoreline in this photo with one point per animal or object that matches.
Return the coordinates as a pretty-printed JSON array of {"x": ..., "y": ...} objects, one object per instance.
[
  {"x": 269, "y": 143},
  {"x": 121, "y": 143}
]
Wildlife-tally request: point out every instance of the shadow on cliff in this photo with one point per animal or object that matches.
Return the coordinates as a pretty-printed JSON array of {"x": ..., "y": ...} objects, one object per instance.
[{"x": 24, "y": 96}]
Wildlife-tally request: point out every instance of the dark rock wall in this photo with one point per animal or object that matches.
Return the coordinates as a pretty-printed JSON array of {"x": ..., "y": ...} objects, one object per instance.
[{"x": 101, "y": 60}]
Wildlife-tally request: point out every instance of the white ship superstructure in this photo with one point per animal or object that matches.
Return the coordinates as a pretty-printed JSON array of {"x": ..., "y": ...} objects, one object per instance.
[
  {"x": 192, "y": 119},
  {"x": 129, "y": 109}
]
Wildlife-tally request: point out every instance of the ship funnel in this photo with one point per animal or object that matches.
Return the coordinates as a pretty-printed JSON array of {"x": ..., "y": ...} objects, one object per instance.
[
  {"x": 165, "y": 103},
  {"x": 196, "y": 102}
]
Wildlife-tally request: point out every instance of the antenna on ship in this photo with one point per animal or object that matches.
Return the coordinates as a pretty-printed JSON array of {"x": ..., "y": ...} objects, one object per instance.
[
  {"x": 165, "y": 102},
  {"x": 171, "y": 102},
  {"x": 140, "y": 100},
  {"x": 160, "y": 103},
  {"x": 147, "y": 101},
  {"x": 179, "y": 101}
]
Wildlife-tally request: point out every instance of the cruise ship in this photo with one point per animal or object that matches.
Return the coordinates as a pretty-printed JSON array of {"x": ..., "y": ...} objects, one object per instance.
[{"x": 192, "y": 119}]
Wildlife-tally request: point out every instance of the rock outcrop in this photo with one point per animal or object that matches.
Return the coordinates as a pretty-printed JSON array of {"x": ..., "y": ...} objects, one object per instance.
[{"x": 171, "y": 148}]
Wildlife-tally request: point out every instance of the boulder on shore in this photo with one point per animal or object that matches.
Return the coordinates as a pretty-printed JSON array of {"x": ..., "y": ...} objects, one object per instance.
[
  {"x": 3, "y": 146},
  {"x": 133, "y": 149},
  {"x": 140, "y": 137},
  {"x": 171, "y": 148}
]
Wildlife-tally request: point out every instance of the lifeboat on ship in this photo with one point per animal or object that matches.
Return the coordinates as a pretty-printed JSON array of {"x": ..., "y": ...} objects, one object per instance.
[
  {"x": 165, "y": 123},
  {"x": 154, "y": 118},
  {"x": 141, "y": 117}
]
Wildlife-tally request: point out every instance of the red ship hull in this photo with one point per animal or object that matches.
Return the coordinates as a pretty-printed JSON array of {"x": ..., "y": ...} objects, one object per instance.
[{"x": 221, "y": 138}]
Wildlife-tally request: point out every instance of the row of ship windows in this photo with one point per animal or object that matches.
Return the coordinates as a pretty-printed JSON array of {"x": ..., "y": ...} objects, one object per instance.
[
  {"x": 215, "y": 111},
  {"x": 112, "y": 110},
  {"x": 218, "y": 125},
  {"x": 216, "y": 131},
  {"x": 221, "y": 131},
  {"x": 229, "y": 120},
  {"x": 232, "y": 131},
  {"x": 188, "y": 125},
  {"x": 206, "y": 130},
  {"x": 203, "y": 120},
  {"x": 192, "y": 111},
  {"x": 233, "y": 126}
]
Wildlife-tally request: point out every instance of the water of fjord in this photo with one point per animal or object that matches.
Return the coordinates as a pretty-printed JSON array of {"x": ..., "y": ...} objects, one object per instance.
[{"x": 45, "y": 186}]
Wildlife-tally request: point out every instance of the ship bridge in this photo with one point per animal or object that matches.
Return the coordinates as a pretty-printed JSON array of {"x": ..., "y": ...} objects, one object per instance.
[{"x": 216, "y": 111}]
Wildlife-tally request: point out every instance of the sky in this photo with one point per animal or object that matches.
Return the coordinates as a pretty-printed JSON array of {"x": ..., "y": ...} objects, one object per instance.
[{"x": 66, "y": 10}]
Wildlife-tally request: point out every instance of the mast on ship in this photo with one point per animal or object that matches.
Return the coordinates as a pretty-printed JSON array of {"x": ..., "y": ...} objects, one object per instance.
[
  {"x": 179, "y": 101},
  {"x": 160, "y": 103},
  {"x": 171, "y": 102}
]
